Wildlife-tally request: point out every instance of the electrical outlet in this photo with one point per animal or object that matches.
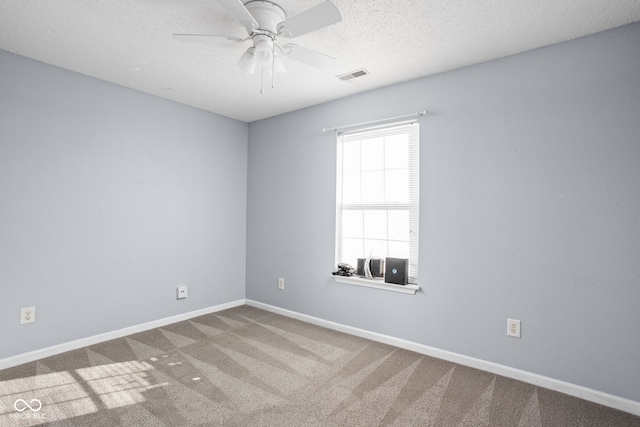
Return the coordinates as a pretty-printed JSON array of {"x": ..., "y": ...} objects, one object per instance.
[
  {"x": 281, "y": 283},
  {"x": 27, "y": 315},
  {"x": 182, "y": 292},
  {"x": 513, "y": 328}
]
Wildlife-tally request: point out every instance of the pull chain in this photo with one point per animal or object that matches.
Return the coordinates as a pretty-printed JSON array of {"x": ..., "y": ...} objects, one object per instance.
[{"x": 273, "y": 65}]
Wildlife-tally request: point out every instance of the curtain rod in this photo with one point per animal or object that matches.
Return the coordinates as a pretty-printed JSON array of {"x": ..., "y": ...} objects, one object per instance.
[{"x": 372, "y": 122}]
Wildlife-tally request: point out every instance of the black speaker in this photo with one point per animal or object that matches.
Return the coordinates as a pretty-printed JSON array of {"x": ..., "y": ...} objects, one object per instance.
[
  {"x": 376, "y": 265},
  {"x": 397, "y": 271}
]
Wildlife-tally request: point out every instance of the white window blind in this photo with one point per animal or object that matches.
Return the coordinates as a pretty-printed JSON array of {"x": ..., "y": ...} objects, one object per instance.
[{"x": 378, "y": 194}]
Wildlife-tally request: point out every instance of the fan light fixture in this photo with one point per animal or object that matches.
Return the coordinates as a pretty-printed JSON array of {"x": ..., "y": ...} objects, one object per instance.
[
  {"x": 247, "y": 62},
  {"x": 278, "y": 65},
  {"x": 263, "y": 46}
]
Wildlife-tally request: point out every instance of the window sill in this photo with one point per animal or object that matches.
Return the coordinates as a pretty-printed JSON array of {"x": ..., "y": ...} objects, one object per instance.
[{"x": 378, "y": 284}]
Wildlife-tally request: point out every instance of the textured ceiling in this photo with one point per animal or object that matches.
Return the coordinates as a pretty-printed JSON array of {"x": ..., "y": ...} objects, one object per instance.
[{"x": 130, "y": 43}]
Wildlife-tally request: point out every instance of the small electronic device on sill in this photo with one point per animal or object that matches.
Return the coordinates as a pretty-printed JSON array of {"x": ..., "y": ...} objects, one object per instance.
[
  {"x": 376, "y": 267},
  {"x": 396, "y": 271}
]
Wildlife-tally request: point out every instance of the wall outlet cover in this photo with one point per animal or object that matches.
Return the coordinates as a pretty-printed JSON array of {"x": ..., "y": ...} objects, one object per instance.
[
  {"x": 27, "y": 315},
  {"x": 182, "y": 292},
  {"x": 513, "y": 328}
]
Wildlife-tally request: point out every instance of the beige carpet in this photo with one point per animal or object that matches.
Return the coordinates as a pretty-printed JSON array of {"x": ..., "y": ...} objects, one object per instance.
[{"x": 248, "y": 367}]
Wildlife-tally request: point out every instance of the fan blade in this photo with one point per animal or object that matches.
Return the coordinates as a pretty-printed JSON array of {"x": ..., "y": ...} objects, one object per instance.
[
  {"x": 240, "y": 13},
  {"x": 307, "y": 56},
  {"x": 207, "y": 39},
  {"x": 310, "y": 20}
]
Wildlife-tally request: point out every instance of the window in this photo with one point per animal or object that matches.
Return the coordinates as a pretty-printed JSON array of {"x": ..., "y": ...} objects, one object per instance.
[{"x": 378, "y": 194}]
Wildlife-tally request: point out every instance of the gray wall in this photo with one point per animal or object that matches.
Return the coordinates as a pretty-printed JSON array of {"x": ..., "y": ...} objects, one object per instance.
[
  {"x": 530, "y": 208},
  {"x": 110, "y": 198}
]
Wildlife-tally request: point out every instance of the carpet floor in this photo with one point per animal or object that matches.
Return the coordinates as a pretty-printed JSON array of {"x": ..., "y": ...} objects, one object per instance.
[{"x": 248, "y": 367}]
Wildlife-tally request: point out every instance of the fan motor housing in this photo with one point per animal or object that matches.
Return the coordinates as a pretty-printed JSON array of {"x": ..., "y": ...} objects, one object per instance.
[{"x": 268, "y": 15}]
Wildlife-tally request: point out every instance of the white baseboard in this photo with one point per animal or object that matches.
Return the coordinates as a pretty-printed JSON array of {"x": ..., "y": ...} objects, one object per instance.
[
  {"x": 591, "y": 395},
  {"x": 581, "y": 392},
  {"x": 95, "y": 339}
]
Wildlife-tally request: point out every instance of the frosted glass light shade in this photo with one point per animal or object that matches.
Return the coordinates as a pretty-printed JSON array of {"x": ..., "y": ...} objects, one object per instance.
[
  {"x": 278, "y": 65},
  {"x": 247, "y": 62},
  {"x": 263, "y": 53}
]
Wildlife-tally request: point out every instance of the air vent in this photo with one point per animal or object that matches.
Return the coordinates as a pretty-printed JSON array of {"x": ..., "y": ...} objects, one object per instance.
[{"x": 352, "y": 75}]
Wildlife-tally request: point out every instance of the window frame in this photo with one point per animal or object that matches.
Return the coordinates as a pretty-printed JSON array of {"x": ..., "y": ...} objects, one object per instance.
[{"x": 412, "y": 129}]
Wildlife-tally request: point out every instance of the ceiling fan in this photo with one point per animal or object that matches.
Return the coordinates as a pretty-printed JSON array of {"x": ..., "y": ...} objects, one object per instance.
[{"x": 265, "y": 21}]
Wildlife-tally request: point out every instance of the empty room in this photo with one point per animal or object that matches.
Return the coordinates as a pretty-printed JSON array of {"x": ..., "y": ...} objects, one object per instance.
[{"x": 319, "y": 213}]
